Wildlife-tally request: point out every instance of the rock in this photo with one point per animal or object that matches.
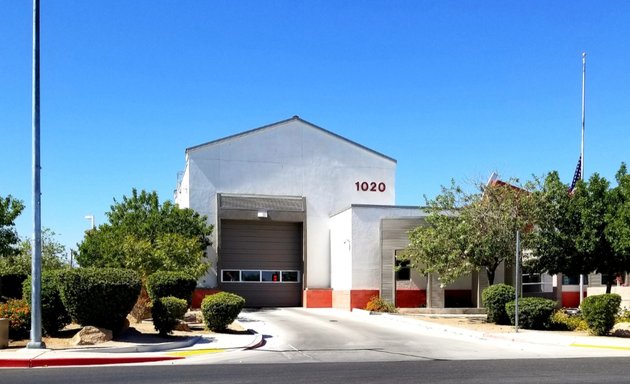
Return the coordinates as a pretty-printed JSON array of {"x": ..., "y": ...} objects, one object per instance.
[
  {"x": 193, "y": 317},
  {"x": 90, "y": 335},
  {"x": 621, "y": 330},
  {"x": 182, "y": 326}
]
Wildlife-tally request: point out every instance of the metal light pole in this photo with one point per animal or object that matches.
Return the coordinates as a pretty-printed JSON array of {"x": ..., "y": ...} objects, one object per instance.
[{"x": 36, "y": 267}]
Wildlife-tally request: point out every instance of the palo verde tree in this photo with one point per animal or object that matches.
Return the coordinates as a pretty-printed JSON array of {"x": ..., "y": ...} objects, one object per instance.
[
  {"x": 467, "y": 232},
  {"x": 148, "y": 236}
]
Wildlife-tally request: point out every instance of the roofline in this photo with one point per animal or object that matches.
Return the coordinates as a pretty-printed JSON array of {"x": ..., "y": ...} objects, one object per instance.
[
  {"x": 294, "y": 118},
  {"x": 381, "y": 206}
]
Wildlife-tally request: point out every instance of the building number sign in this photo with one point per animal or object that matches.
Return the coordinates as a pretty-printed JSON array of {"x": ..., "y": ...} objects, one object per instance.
[{"x": 371, "y": 186}]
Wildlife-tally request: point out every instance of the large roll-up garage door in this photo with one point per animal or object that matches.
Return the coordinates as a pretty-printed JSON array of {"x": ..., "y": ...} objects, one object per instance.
[{"x": 261, "y": 261}]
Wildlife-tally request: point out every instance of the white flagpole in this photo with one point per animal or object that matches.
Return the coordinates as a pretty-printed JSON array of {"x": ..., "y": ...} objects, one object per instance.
[{"x": 582, "y": 153}]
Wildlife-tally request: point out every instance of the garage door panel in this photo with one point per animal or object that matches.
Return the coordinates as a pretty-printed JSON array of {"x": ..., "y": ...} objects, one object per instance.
[{"x": 258, "y": 245}]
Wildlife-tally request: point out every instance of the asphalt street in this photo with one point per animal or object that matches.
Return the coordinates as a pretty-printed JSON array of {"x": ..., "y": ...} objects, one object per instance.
[{"x": 550, "y": 371}]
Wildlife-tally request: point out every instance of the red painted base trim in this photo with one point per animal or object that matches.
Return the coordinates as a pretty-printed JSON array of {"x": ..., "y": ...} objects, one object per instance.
[
  {"x": 318, "y": 298},
  {"x": 411, "y": 298},
  {"x": 571, "y": 299},
  {"x": 199, "y": 294},
  {"x": 360, "y": 298}
]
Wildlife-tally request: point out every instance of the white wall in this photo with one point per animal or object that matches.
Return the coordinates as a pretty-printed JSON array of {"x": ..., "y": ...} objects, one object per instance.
[
  {"x": 341, "y": 243},
  {"x": 366, "y": 242},
  {"x": 292, "y": 158}
]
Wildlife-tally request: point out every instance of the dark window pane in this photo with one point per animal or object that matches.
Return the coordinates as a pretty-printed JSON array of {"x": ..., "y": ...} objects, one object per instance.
[
  {"x": 250, "y": 275},
  {"x": 290, "y": 276},
  {"x": 230, "y": 275},
  {"x": 403, "y": 272},
  {"x": 273, "y": 276}
]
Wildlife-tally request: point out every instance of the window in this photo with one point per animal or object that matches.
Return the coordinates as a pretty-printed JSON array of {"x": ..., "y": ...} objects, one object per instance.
[
  {"x": 290, "y": 276},
  {"x": 231, "y": 275},
  {"x": 273, "y": 276},
  {"x": 250, "y": 275},
  {"x": 257, "y": 276},
  {"x": 574, "y": 279},
  {"x": 403, "y": 272}
]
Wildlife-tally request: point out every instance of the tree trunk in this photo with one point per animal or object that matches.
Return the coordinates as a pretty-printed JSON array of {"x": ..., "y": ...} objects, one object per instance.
[
  {"x": 608, "y": 286},
  {"x": 490, "y": 273}
]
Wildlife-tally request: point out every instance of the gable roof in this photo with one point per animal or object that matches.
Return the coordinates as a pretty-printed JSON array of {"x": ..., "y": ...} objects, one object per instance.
[{"x": 294, "y": 118}]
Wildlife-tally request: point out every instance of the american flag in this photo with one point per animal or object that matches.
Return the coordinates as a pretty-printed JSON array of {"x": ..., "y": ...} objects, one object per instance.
[{"x": 577, "y": 175}]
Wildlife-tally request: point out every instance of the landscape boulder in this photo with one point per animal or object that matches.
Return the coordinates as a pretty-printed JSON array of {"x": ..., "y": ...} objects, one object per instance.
[{"x": 90, "y": 335}]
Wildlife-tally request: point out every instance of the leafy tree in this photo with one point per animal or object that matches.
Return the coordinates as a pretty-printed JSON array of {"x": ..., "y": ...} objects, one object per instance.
[
  {"x": 10, "y": 209},
  {"x": 557, "y": 219},
  {"x": 465, "y": 232},
  {"x": 583, "y": 231},
  {"x": 147, "y": 236},
  {"x": 53, "y": 254}
]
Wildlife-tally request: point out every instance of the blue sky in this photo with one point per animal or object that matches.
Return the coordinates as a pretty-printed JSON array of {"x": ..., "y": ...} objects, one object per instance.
[{"x": 451, "y": 89}]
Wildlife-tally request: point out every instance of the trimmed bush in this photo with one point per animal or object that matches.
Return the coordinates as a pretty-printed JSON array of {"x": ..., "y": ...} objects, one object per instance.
[
  {"x": 167, "y": 283},
  {"x": 221, "y": 309},
  {"x": 494, "y": 299},
  {"x": 533, "y": 312},
  {"x": 99, "y": 297},
  {"x": 166, "y": 312},
  {"x": 11, "y": 284},
  {"x": 54, "y": 313},
  {"x": 600, "y": 311},
  {"x": 19, "y": 315},
  {"x": 376, "y": 304}
]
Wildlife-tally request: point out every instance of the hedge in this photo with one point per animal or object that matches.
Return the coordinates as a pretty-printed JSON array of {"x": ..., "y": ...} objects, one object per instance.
[
  {"x": 494, "y": 299},
  {"x": 99, "y": 297},
  {"x": 221, "y": 309},
  {"x": 11, "y": 284},
  {"x": 166, "y": 312},
  {"x": 168, "y": 283},
  {"x": 54, "y": 313},
  {"x": 533, "y": 312},
  {"x": 599, "y": 311}
]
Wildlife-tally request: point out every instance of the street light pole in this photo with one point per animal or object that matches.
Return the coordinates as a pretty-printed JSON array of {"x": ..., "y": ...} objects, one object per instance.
[{"x": 36, "y": 267}]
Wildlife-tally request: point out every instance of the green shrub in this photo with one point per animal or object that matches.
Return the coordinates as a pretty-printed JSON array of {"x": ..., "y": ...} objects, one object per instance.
[
  {"x": 221, "y": 309},
  {"x": 167, "y": 283},
  {"x": 599, "y": 311},
  {"x": 376, "y": 304},
  {"x": 11, "y": 284},
  {"x": 494, "y": 299},
  {"x": 562, "y": 321},
  {"x": 19, "y": 315},
  {"x": 54, "y": 313},
  {"x": 533, "y": 312},
  {"x": 166, "y": 312},
  {"x": 99, "y": 297}
]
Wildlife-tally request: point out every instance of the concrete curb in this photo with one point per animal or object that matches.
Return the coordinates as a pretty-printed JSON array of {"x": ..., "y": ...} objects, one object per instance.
[
  {"x": 73, "y": 360},
  {"x": 159, "y": 347}
]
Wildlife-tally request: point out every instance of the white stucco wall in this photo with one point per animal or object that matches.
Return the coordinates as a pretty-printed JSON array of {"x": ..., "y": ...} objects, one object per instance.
[
  {"x": 357, "y": 265},
  {"x": 341, "y": 251},
  {"x": 291, "y": 158}
]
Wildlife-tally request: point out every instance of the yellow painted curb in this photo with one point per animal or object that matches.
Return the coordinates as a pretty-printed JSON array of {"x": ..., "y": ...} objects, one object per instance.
[
  {"x": 194, "y": 352},
  {"x": 600, "y": 346}
]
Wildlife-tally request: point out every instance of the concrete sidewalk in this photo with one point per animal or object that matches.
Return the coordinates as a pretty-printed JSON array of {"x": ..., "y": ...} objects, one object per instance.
[
  {"x": 557, "y": 338},
  {"x": 129, "y": 352}
]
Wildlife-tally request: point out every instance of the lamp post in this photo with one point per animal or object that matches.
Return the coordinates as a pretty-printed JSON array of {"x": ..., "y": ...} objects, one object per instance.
[{"x": 91, "y": 218}]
